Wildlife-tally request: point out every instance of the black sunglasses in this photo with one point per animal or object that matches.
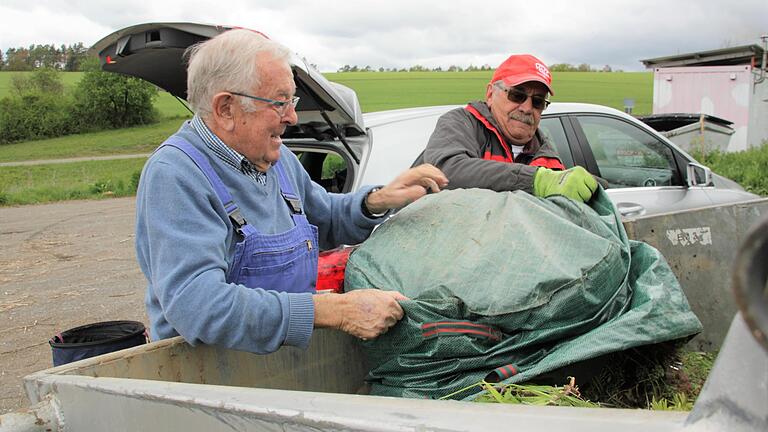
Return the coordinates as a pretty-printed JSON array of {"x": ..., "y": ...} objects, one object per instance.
[{"x": 519, "y": 96}]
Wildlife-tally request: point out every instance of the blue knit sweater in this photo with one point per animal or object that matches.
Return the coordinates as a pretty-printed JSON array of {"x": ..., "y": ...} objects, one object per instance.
[{"x": 185, "y": 245}]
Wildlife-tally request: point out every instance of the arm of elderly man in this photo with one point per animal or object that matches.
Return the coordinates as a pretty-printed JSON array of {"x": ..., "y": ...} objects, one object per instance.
[
  {"x": 455, "y": 147},
  {"x": 185, "y": 242}
]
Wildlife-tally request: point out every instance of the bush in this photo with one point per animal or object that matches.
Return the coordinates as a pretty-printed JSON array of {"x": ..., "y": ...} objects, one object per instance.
[
  {"x": 39, "y": 108},
  {"x": 34, "y": 116},
  {"x": 747, "y": 168},
  {"x": 43, "y": 80},
  {"x": 135, "y": 178},
  {"x": 106, "y": 100}
]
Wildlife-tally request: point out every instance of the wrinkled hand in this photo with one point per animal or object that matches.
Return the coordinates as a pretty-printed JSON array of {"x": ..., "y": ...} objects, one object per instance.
[
  {"x": 407, "y": 188},
  {"x": 363, "y": 313},
  {"x": 575, "y": 183}
]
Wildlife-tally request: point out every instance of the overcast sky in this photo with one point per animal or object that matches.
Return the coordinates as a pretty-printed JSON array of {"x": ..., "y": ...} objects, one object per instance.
[{"x": 401, "y": 33}]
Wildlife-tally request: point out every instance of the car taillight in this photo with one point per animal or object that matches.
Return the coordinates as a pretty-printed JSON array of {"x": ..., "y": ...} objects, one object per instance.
[{"x": 330, "y": 269}]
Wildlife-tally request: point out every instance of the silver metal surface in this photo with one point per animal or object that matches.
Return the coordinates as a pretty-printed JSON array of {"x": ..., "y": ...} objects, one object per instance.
[
  {"x": 735, "y": 396},
  {"x": 700, "y": 246},
  {"x": 140, "y": 405}
]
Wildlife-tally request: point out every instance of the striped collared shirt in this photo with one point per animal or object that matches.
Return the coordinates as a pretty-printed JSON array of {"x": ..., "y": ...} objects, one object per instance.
[{"x": 226, "y": 153}]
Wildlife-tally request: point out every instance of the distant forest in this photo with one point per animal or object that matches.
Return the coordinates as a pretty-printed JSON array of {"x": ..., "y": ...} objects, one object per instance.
[
  {"x": 66, "y": 57},
  {"x": 70, "y": 58},
  {"x": 557, "y": 67}
]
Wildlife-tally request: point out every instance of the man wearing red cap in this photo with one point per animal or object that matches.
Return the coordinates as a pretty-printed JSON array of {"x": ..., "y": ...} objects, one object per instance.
[{"x": 495, "y": 144}]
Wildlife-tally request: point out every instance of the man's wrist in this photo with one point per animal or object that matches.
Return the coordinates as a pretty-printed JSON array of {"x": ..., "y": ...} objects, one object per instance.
[{"x": 367, "y": 210}]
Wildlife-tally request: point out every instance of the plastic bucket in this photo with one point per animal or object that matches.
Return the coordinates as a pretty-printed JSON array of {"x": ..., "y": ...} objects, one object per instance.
[{"x": 95, "y": 339}]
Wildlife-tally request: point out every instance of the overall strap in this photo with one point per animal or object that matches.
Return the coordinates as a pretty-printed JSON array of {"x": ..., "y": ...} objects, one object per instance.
[
  {"x": 238, "y": 221},
  {"x": 290, "y": 197}
]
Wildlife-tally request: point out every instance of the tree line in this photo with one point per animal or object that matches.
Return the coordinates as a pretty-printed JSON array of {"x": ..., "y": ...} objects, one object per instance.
[
  {"x": 557, "y": 67},
  {"x": 68, "y": 58},
  {"x": 415, "y": 68}
]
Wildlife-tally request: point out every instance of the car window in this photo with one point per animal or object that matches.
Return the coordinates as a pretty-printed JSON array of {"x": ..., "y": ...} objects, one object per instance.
[
  {"x": 628, "y": 156},
  {"x": 552, "y": 129},
  {"x": 326, "y": 169}
]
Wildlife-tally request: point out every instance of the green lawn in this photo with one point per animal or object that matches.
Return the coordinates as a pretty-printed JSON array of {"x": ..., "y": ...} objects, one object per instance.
[
  {"x": 390, "y": 90},
  {"x": 135, "y": 140},
  {"x": 56, "y": 182}
]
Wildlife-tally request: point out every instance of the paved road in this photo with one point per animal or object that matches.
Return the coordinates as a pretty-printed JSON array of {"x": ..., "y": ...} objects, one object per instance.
[
  {"x": 77, "y": 159},
  {"x": 62, "y": 265}
]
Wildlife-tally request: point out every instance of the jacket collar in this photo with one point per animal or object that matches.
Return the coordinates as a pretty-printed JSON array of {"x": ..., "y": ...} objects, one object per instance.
[{"x": 529, "y": 148}]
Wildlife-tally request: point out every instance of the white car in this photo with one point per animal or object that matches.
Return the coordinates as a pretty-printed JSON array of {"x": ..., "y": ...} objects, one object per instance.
[{"x": 647, "y": 174}]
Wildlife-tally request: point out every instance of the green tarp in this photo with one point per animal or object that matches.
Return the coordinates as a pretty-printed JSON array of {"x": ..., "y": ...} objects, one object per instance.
[{"x": 507, "y": 286}]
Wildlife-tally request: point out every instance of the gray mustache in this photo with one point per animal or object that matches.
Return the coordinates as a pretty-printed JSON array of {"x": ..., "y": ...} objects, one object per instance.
[{"x": 522, "y": 117}]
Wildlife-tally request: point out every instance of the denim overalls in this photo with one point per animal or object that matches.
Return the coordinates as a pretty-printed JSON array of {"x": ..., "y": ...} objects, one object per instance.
[{"x": 280, "y": 262}]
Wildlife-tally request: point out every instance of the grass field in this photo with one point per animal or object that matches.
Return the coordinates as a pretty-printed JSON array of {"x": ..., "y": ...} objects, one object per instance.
[
  {"x": 66, "y": 181},
  {"x": 135, "y": 140},
  {"x": 390, "y": 90}
]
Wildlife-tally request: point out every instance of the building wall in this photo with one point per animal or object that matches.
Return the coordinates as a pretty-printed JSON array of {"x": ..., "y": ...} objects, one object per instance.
[
  {"x": 758, "y": 115},
  {"x": 722, "y": 91}
]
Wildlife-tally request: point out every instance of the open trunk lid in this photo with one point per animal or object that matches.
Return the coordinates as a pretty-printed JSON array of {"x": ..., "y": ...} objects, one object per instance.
[{"x": 154, "y": 52}]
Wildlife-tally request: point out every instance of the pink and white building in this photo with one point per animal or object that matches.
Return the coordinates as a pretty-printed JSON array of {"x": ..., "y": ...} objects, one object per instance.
[{"x": 729, "y": 83}]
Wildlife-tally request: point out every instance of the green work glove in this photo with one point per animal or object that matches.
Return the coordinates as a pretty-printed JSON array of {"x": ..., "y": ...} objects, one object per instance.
[{"x": 575, "y": 183}]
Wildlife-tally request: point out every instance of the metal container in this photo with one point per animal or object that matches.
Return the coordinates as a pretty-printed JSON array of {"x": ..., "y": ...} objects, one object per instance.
[{"x": 170, "y": 385}]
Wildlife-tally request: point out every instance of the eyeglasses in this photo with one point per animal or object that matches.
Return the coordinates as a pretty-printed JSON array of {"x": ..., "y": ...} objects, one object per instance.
[
  {"x": 280, "y": 106},
  {"x": 518, "y": 96}
]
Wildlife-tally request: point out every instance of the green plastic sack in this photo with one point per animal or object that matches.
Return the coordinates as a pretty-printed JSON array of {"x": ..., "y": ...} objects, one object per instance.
[{"x": 507, "y": 286}]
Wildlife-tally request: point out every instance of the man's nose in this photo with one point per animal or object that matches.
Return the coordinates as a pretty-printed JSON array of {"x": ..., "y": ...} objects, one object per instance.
[
  {"x": 291, "y": 116},
  {"x": 527, "y": 105}
]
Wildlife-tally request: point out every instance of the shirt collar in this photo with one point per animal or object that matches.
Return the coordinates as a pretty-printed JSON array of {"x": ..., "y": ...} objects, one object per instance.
[{"x": 226, "y": 153}]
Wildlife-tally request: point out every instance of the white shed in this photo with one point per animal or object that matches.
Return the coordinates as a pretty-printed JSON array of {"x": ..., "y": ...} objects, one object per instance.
[{"x": 729, "y": 83}]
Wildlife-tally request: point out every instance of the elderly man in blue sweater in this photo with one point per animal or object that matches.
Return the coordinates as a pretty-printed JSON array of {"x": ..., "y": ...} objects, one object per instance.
[{"x": 229, "y": 224}]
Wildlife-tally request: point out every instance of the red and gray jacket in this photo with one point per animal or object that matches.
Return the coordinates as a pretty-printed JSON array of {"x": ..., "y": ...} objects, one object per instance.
[{"x": 469, "y": 148}]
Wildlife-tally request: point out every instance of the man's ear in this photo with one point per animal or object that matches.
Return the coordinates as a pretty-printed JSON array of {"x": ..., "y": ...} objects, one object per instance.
[
  {"x": 223, "y": 111},
  {"x": 488, "y": 93}
]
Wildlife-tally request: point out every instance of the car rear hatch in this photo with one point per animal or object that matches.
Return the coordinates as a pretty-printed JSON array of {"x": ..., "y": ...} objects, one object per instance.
[{"x": 154, "y": 52}]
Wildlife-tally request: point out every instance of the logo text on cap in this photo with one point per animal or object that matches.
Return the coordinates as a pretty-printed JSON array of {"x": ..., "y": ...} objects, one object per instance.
[{"x": 543, "y": 71}]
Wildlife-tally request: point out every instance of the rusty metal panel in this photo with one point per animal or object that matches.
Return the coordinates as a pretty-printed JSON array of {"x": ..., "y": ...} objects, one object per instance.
[{"x": 700, "y": 246}]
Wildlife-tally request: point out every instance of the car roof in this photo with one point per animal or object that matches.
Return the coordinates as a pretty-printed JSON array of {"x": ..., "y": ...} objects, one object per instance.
[{"x": 380, "y": 118}]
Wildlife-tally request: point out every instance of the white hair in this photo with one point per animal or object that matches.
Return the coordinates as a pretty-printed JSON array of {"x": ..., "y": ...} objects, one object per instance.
[{"x": 227, "y": 62}]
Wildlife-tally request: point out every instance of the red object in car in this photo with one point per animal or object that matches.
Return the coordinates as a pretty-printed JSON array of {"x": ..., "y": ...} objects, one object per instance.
[{"x": 330, "y": 269}]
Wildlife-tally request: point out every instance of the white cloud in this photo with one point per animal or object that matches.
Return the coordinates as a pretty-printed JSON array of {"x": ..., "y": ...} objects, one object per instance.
[{"x": 399, "y": 33}]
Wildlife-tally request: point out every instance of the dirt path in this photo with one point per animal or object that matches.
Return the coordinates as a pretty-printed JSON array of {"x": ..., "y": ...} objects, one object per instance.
[
  {"x": 77, "y": 159},
  {"x": 61, "y": 265}
]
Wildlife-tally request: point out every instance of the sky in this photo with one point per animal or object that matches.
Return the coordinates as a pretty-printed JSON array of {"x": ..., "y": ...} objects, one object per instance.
[{"x": 431, "y": 33}]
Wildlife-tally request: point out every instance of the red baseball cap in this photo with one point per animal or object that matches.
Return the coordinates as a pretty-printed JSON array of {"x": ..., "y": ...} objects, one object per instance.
[{"x": 521, "y": 68}]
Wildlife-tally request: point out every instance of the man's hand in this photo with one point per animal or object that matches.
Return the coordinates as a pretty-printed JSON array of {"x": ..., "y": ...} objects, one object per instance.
[
  {"x": 363, "y": 313},
  {"x": 407, "y": 188},
  {"x": 575, "y": 183}
]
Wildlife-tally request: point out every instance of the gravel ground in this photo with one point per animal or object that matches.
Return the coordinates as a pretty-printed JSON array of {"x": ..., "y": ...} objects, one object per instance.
[{"x": 62, "y": 265}]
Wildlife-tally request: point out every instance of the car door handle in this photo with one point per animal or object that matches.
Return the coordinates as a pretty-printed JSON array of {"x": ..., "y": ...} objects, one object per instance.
[{"x": 630, "y": 209}]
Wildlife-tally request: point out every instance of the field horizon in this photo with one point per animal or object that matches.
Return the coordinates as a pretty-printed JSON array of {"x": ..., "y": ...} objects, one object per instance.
[{"x": 379, "y": 91}]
